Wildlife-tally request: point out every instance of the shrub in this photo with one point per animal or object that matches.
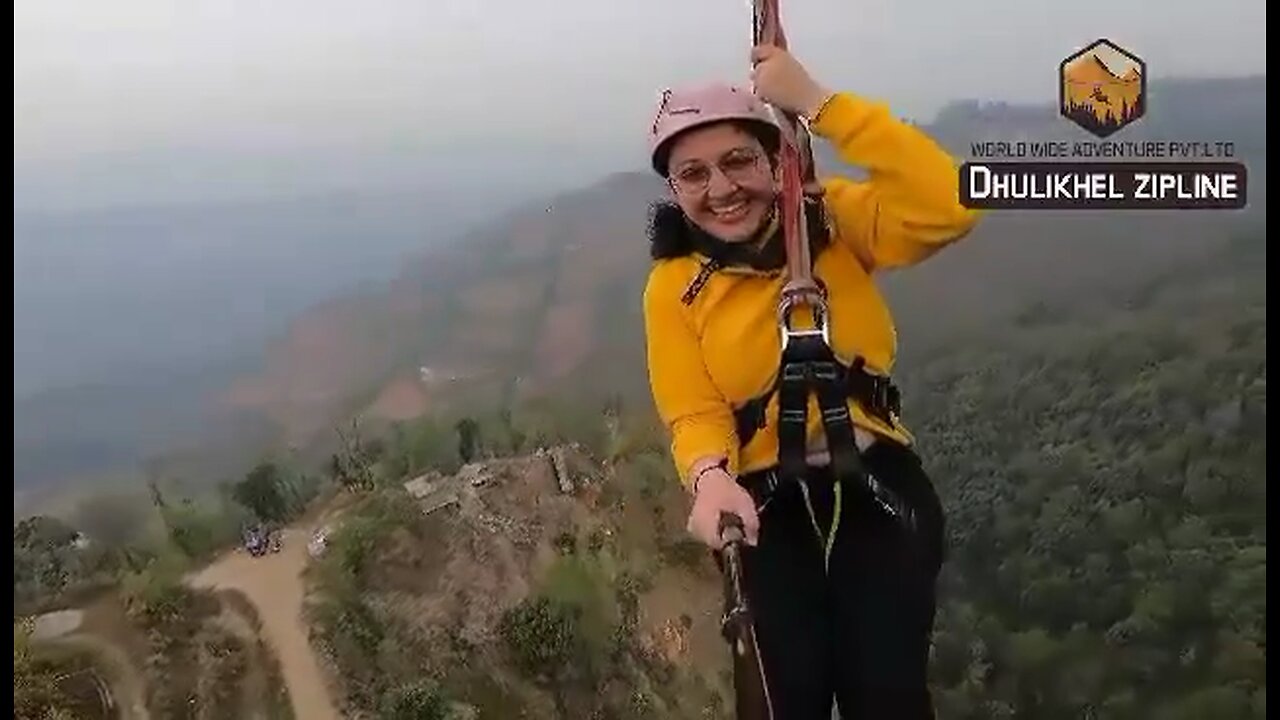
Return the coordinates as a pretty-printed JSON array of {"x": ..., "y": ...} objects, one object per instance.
[
  {"x": 156, "y": 595},
  {"x": 541, "y": 634},
  {"x": 565, "y": 543},
  {"x": 421, "y": 700}
]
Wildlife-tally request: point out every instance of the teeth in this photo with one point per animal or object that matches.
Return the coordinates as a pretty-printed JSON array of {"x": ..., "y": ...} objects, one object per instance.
[{"x": 730, "y": 210}]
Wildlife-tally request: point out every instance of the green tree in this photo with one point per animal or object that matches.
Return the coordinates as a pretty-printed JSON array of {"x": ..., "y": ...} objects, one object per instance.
[
  {"x": 36, "y": 694},
  {"x": 263, "y": 492},
  {"x": 46, "y": 559},
  {"x": 352, "y": 466},
  {"x": 198, "y": 530},
  {"x": 468, "y": 438}
]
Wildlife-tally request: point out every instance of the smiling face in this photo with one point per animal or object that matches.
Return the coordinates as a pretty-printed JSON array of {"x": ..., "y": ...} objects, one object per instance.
[{"x": 723, "y": 180}]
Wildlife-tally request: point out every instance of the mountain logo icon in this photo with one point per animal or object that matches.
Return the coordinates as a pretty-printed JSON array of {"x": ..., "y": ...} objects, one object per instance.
[{"x": 1102, "y": 88}]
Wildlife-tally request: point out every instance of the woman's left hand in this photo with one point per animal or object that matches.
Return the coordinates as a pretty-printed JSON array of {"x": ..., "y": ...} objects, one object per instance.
[{"x": 781, "y": 80}]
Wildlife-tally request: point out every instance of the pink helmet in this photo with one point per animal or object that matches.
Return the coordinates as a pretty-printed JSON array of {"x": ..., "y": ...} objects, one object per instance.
[{"x": 686, "y": 108}]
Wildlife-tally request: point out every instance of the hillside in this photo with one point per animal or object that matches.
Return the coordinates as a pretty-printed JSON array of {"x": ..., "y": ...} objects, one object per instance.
[
  {"x": 506, "y": 311},
  {"x": 1104, "y": 470},
  {"x": 547, "y": 299},
  {"x": 1103, "y": 466},
  {"x": 127, "y": 319}
]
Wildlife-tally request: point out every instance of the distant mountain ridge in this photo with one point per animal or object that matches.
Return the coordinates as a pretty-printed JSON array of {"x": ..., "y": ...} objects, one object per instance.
[
  {"x": 127, "y": 318},
  {"x": 546, "y": 299}
]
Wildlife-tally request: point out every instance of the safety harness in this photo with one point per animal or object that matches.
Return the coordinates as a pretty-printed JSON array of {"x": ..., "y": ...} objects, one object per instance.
[{"x": 808, "y": 363}]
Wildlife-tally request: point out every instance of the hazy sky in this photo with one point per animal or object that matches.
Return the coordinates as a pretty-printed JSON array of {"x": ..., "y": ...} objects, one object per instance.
[{"x": 135, "y": 100}]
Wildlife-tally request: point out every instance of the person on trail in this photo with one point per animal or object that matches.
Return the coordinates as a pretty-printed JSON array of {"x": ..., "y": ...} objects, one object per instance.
[{"x": 840, "y": 567}]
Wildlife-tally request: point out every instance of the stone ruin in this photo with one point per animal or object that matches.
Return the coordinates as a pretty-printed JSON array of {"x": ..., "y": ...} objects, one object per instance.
[{"x": 436, "y": 491}]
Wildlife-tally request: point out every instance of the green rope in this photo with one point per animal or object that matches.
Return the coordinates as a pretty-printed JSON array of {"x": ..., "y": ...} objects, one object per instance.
[
  {"x": 835, "y": 525},
  {"x": 829, "y": 540},
  {"x": 813, "y": 516}
]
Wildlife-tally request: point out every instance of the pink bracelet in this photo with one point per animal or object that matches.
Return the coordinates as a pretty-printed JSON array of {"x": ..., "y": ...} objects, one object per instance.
[{"x": 722, "y": 465}]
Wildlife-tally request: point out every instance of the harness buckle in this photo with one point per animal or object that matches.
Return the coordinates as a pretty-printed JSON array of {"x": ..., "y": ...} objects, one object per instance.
[
  {"x": 793, "y": 372},
  {"x": 788, "y": 416},
  {"x": 825, "y": 371},
  {"x": 886, "y": 396},
  {"x": 880, "y": 394}
]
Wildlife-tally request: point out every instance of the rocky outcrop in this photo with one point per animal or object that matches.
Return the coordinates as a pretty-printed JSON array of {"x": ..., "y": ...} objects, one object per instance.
[
  {"x": 562, "y": 470},
  {"x": 435, "y": 491}
]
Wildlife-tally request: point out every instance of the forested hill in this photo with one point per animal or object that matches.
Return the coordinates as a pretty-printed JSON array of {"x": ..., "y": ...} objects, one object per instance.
[
  {"x": 1102, "y": 463},
  {"x": 1104, "y": 472},
  {"x": 1103, "y": 467}
]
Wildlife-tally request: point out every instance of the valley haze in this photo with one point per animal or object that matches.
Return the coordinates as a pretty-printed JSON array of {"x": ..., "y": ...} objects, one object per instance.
[{"x": 194, "y": 188}]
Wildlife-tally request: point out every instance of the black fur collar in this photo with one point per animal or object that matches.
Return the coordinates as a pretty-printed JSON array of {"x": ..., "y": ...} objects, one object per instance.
[{"x": 672, "y": 234}]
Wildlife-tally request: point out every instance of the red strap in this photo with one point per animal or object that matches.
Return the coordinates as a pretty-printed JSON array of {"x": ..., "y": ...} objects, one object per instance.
[{"x": 797, "y": 173}]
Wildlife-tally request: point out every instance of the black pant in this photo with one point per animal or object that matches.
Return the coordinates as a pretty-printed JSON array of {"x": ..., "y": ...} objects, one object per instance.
[{"x": 855, "y": 626}]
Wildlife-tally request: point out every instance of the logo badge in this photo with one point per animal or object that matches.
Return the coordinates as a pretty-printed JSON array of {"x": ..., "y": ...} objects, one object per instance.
[{"x": 1102, "y": 88}]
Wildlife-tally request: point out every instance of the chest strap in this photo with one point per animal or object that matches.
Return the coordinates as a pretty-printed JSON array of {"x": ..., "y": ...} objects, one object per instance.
[{"x": 875, "y": 393}]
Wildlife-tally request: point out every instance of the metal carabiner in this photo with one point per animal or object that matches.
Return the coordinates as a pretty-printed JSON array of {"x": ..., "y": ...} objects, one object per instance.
[{"x": 789, "y": 302}]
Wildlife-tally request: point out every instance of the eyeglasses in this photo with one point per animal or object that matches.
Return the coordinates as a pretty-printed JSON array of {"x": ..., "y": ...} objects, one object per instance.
[{"x": 737, "y": 165}]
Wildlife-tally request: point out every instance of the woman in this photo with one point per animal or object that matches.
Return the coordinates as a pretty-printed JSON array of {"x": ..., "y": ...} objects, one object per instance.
[{"x": 842, "y": 589}]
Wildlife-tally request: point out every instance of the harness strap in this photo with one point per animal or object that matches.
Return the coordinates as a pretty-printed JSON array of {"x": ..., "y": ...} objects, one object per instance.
[
  {"x": 793, "y": 417},
  {"x": 841, "y": 443},
  {"x": 700, "y": 280},
  {"x": 877, "y": 395},
  {"x": 809, "y": 364}
]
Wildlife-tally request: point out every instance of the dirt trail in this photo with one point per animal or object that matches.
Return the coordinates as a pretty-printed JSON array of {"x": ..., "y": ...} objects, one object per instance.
[
  {"x": 253, "y": 684},
  {"x": 273, "y": 584},
  {"x": 127, "y": 688}
]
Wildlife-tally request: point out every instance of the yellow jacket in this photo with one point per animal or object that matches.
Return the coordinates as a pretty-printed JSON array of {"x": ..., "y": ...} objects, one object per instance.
[{"x": 711, "y": 356}]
